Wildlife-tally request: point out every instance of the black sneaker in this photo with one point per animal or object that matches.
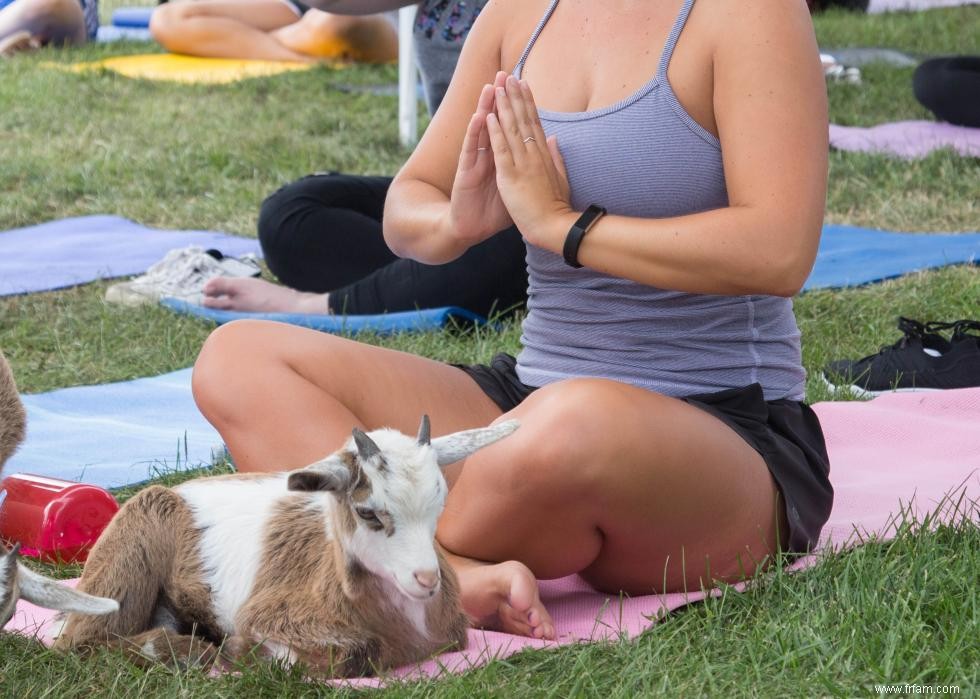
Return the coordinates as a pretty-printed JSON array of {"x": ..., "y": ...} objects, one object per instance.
[{"x": 923, "y": 360}]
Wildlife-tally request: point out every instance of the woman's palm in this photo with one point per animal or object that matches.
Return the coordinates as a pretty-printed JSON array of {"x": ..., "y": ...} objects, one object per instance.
[{"x": 477, "y": 209}]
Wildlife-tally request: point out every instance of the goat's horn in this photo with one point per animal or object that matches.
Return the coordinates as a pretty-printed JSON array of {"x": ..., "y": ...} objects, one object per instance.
[
  {"x": 425, "y": 432},
  {"x": 366, "y": 448},
  {"x": 456, "y": 447}
]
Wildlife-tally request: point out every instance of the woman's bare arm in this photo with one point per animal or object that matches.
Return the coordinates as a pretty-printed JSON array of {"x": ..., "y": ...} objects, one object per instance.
[
  {"x": 417, "y": 219},
  {"x": 770, "y": 108}
]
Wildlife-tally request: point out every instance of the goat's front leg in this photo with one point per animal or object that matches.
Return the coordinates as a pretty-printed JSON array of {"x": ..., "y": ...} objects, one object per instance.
[
  {"x": 327, "y": 661},
  {"x": 163, "y": 646}
]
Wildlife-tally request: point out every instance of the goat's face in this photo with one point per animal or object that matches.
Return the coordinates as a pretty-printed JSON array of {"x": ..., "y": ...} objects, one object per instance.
[{"x": 390, "y": 491}]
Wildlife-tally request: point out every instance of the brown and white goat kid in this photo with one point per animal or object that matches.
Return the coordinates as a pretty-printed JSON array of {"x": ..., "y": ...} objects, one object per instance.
[
  {"x": 335, "y": 564},
  {"x": 15, "y": 579}
]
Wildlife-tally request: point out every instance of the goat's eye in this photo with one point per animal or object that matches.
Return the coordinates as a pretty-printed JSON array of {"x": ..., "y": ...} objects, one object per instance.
[{"x": 367, "y": 514}]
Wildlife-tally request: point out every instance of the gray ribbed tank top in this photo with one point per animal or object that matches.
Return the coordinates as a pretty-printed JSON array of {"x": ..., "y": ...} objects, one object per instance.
[{"x": 646, "y": 157}]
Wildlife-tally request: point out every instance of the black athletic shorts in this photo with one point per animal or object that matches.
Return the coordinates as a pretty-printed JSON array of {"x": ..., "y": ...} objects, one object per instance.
[{"x": 786, "y": 433}]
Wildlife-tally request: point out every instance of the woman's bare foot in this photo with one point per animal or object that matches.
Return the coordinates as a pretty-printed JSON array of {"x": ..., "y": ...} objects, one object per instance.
[
  {"x": 503, "y": 596},
  {"x": 258, "y": 295},
  {"x": 320, "y": 35}
]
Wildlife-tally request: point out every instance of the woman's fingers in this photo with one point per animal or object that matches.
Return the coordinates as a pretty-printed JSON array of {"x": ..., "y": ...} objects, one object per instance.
[
  {"x": 532, "y": 111},
  {"x": 503, "y": 156},
  {"x": 507, "y": 121},
  {"x": 521, "y": 110},
  {"x": 476, "y": 142},
  {"x": 470, "y": 151}
]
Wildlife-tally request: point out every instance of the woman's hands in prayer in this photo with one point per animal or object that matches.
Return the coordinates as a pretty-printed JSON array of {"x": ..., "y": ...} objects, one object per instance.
[
  {"x": 509, "y": 172},
  {"x": 475, "y": 208},
  {"x": 530, "y": 174}
]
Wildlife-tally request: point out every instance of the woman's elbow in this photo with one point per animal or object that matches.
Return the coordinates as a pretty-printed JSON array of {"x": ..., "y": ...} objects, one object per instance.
[{"x": 787, "y": 275}]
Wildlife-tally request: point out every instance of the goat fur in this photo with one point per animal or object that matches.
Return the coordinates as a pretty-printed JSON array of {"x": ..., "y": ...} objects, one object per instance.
[
  {"x": 13, "y": 419},
  {"x": 275, "y": 565},
  {"x": 16, "y": 580}
]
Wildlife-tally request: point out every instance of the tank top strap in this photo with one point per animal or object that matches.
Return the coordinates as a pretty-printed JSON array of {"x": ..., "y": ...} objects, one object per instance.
[
  {"x": 672, "y": 38},
  {"x": 519, "y": 68}
]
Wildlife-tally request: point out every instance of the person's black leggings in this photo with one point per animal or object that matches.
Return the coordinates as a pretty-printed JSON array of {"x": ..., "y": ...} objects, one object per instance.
[
  {"x": 323, "y": 233},
  {"x": 950, "y": 88}
]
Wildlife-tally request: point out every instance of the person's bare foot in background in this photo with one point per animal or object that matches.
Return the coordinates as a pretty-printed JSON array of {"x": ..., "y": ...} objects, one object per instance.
[
  {"x": 260, "y": 296},
  {"x": 321, "y": 35},
  {"x": 19, "y": 42}
]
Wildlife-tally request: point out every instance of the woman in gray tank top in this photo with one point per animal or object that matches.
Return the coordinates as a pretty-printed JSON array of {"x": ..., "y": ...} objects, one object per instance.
[{"x": 668, "y": 178}]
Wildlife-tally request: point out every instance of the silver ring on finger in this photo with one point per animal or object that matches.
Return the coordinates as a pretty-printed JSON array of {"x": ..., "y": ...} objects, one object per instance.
[{"x": 530, "y": 139}]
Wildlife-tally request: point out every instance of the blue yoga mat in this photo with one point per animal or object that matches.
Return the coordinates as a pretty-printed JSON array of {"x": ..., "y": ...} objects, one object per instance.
[
  {"x": 115, "y": 434},
  {"x": 109, "y": 33},
  {"x": 387, "y": 323},
  {"x": 132, "y": 17},
  {"x": 74, "y": 251},
  {"x": 852, "y": 256}
]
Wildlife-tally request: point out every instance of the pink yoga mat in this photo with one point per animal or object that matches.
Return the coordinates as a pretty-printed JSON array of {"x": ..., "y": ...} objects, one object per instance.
[
  {"x": 907, "y": 139},
  {"x": 902, "y": 450}
]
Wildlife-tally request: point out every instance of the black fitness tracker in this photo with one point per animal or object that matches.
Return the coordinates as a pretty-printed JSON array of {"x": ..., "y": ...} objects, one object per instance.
[{"x": 578, "y": 230}]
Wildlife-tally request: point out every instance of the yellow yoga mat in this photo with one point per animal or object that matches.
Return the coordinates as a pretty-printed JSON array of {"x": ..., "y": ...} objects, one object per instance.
[{"x": 184, "y": 69}]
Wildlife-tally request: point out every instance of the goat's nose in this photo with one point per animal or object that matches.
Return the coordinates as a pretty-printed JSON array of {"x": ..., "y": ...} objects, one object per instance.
[{"x": 427, "y": 578}]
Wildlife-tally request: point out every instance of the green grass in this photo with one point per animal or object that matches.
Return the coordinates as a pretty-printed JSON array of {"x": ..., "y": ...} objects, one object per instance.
[
  {"x": 898, "y": 612},
  {"x": 204, "y": 157},
  {"x": 940, "y": 32}
]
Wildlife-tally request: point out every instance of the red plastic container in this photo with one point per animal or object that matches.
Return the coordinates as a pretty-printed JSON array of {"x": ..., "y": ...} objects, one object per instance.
[{"x": 52, "y": 519}]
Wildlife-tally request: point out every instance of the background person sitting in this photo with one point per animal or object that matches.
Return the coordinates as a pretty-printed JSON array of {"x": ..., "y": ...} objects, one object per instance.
[
  {"x": 276, "y": 30},
  {"x": 30, "y": 24},
  {"x": 321, "y": 235}
]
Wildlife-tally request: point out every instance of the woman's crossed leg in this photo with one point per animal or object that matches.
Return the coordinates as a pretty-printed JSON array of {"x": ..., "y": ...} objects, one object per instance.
[{"x": 636, "y": 491}]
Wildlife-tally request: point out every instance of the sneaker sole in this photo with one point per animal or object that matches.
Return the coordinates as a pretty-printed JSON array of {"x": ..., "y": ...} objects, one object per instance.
[
  {"x": 859, "y": 392},
  {"x": 121, "y": 294}
]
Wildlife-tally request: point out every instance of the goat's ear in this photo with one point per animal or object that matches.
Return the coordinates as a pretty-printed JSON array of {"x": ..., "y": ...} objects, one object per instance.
[
  {"x": 456, "y": 447},
  {"x": 330, "y": 475}
]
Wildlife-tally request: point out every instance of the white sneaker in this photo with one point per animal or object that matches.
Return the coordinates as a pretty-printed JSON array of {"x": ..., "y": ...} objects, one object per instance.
[{"x": 181, "y": 274}]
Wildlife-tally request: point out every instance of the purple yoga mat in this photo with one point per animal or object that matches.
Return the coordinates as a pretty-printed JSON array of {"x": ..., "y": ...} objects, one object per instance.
[
  {"x": 899, "y": 5},
  {"x": 72, "y": 251},
  {"x": 907, "y": 139}
]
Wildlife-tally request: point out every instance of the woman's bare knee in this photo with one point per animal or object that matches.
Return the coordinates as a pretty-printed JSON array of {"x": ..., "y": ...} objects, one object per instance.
[
  {"x": 52, "y": 21},
  {"x": 560, "y": 450},
  {"x": 573, "y": 430},
  {"x": 231, "y": 356},
  {"x": 165, "y": 22}
]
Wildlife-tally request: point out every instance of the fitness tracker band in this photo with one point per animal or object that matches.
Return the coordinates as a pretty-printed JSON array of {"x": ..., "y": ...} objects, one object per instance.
[{"x": 578, "y": 230}]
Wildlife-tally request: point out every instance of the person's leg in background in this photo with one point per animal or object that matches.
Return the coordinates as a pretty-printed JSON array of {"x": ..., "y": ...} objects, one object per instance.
[
  {"x": 950, "y": 88},
  {"x": 321, "y": 236},
  {"x": 29, "y": 24},
  {"x": 275, "y": 30}
]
